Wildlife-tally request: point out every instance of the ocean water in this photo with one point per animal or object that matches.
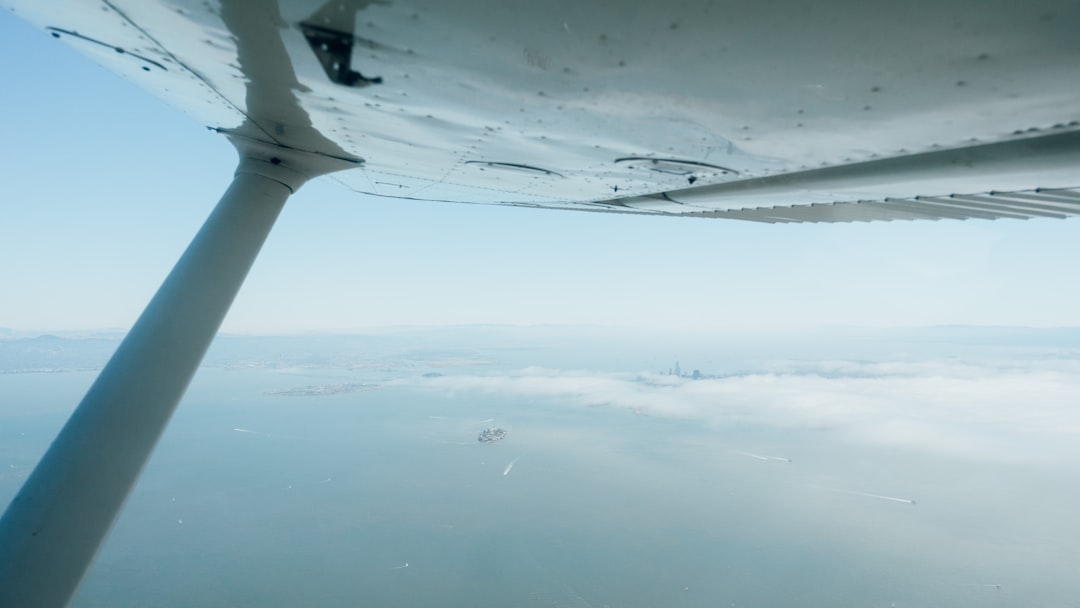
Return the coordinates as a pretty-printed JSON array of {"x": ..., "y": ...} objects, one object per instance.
[{"x": 852, "y": 481}]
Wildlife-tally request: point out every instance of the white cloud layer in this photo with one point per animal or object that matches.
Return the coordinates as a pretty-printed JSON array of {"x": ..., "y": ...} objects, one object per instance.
[{"x": 1012, "y": 411}]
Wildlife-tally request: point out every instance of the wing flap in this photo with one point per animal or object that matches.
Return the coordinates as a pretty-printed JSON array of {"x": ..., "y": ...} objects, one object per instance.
[{"x": 988, "y": 206}]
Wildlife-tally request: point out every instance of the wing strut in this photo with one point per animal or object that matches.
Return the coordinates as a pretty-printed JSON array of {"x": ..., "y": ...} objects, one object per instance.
[{"x": 53, "y": 528}]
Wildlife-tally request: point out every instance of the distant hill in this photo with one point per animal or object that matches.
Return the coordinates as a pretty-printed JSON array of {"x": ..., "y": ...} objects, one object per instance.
[{"x": 434, "y": 349}]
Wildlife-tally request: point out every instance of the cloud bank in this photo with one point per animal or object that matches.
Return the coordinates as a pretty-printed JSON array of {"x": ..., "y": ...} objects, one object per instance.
[{"x": 1009, "y": 411}]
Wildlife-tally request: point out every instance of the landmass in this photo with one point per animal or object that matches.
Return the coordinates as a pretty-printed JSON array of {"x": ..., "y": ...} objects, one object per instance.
[
  {"x": 491, "y": 435},
  {"x": 319, "y": 390}
]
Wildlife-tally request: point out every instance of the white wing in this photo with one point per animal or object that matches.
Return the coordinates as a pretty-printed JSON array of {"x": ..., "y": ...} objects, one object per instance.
[{"x": 777, "y": 112}]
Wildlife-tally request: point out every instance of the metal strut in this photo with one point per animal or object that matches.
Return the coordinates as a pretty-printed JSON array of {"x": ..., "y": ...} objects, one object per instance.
[{"x": 53, "y": 528}]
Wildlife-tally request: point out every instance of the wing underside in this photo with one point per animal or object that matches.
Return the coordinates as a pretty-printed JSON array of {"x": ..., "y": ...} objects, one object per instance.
[{"x": 792, "y": 112}]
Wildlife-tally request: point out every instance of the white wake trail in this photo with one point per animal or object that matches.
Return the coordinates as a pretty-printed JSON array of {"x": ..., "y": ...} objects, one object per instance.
[
  {"x": 906, "y": 501},
  {"x": 759, "y": 457},
  {"x": 882, "y": 497}
]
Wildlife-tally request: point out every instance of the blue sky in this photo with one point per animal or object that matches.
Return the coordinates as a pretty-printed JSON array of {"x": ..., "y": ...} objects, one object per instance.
[{"x": 105, "y": 184}]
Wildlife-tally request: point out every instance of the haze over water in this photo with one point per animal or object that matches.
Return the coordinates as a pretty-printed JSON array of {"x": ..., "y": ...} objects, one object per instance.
[{"x": 914, "y": 467}]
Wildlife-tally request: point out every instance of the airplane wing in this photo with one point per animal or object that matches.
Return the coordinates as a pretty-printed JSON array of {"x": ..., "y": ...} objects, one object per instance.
[{"x": 846, "y": 110}]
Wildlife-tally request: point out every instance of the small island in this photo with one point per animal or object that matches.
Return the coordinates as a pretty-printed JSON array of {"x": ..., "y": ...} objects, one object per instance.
[{"x": 492, "y": 435}]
